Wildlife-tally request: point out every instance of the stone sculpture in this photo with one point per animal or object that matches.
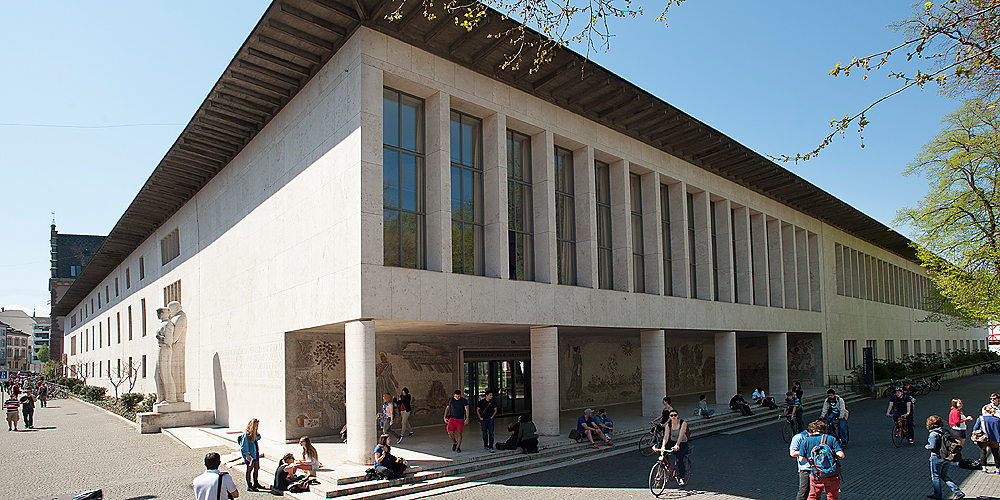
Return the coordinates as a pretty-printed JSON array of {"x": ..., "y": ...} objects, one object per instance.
[{"x": 169, "y": 373}]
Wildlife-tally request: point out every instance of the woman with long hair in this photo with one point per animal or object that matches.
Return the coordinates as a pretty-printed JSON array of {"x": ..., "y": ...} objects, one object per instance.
[
  {"x": 251, "y": 453},
  {"x": 958, "y": 421},
  {"x": 310, "y": 457}
]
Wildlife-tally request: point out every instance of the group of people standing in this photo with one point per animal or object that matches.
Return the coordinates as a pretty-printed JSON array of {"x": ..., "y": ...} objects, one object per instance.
[
  {"x": 20, "y": 398},
  {"x": 289, "y": 469}
]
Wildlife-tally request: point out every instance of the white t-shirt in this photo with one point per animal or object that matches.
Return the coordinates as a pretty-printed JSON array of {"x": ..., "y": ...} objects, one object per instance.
[{"x": 206, "y": 485}]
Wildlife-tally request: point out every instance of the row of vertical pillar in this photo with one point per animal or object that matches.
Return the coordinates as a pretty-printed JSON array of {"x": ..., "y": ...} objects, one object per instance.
[{"x": 359, "y": 347}]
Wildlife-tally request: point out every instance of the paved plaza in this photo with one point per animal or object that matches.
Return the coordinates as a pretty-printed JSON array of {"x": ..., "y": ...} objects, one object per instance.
[{"x": 78, "y": 447}]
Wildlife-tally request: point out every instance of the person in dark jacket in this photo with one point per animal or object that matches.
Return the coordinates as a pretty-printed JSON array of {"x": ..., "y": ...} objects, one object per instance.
[
  {"x": 991, "y": 424},
  {"x": 527, "y": 435}
]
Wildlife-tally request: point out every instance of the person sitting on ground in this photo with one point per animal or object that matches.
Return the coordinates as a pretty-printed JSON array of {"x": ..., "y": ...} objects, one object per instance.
[
  {"x": 284, "y": 474},
  {"x": 703, "y": 407},
  {"x": 512, "y": 441},
  {"x": 527, "y": 435},
  {"x": 385, "y": 463},
  {"x": 740, "y": 405},
  {"x": 586, "y": 425},
  {"x": 604, "y": 422},
  {"x": 793, "y": 407},
  {"x": 761, "y": 398}
]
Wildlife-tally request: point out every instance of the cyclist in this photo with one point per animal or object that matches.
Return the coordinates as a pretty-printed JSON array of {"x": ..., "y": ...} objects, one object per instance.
[
  {"x": 900, "y": 405},
  {"x": 793, "y": 407},
  {"x": 835, "y": 412},
  {"x": 675, "y": 440},
  {"x": 664, "y": 415}
]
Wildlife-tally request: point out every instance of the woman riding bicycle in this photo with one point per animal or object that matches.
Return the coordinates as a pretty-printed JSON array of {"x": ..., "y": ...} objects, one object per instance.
[{"x": 675, "y": 440}]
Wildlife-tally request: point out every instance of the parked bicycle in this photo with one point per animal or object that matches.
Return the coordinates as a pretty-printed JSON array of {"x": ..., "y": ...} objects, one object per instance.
[
  {"x": 664, "y": 471},
  {"x": 899, "y": 432},
  {"x": 650, "y": 440}
]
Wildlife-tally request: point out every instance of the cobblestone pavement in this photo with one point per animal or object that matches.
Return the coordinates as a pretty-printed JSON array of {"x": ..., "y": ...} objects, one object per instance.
[
  {"x": 755, "y": 464},
  {"x": 77, "y": 447}
]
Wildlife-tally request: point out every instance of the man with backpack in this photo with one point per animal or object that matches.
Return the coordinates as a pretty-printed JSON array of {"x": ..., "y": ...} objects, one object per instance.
[
  {"x": 944, "y": 450},
  {"x": 823, "y": 453}
]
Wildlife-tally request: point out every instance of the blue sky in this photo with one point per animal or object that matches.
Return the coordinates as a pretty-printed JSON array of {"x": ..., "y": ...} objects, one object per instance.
[{"x": 756, "y": 71}]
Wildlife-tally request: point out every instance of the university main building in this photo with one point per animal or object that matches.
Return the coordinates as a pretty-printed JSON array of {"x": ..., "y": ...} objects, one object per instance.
[{"x": 359, "y": 206}]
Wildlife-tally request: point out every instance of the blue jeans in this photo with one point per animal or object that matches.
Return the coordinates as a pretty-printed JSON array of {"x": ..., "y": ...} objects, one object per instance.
[
  {"x": 841, "y": 427},
  {"x": 939, "y": 473},
  {"x": 487, "y": 426}
]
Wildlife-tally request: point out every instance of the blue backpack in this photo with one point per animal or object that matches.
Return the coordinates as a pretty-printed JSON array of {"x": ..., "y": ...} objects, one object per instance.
[{"x": 823, "y": 461}]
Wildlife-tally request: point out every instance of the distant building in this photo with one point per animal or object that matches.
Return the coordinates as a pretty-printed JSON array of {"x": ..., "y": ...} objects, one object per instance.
[
  {"x": 16, "y": 349},
  {"x": 70, "y": 253}
]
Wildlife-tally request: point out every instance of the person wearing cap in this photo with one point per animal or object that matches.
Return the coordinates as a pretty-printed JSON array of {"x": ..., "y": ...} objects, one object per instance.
[
  {"x": 604, "y": 422},
  {"x": 900, "y": 405},
  {"x": 586, "y": 425}
]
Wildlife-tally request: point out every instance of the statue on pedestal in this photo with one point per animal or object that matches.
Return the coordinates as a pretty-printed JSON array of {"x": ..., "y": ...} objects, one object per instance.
[{"x": 169, "y": 373}]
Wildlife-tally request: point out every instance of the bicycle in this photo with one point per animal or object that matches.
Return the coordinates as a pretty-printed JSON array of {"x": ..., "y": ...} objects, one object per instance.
[
  {"x": 788, "y": 428},
  {"x": 899, "y": 432},
  {"x": 664, "y": 471},
  {"x": 650, "y": 440},
  {"x": 833, "y": 425}
]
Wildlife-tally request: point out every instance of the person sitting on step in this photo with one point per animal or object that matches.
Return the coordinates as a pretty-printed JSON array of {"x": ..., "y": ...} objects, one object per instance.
[{"x": 740, "y": 405}]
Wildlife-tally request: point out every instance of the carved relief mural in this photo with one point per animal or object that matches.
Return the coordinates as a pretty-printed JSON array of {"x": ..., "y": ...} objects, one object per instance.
[
  {"x": 689, "y": 368},
  {"x": 316, "y": 387},
  {"x": 805, "y": 359},
  {"x": 602, "y": 371}
]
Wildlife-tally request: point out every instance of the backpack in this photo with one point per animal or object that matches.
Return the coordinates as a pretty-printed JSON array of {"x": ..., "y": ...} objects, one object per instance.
[
  {"x": 687, "y": 433},
  {"x": 948, "y": 447},
  {"x": 823, "y": 461},
  {"x": 300, "y": 486}
]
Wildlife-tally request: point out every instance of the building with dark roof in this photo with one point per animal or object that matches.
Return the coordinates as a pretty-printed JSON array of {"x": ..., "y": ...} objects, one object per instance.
[
  {"x": 360, "y": 205},
  {"x": 70, "y": 253}
]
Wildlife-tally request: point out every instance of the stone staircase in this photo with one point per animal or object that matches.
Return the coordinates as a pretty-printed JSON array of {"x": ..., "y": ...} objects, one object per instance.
[{"x": 466, "y": 472}]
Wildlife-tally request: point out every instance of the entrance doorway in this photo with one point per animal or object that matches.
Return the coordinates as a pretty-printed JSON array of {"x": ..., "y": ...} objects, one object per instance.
[{"x": 507, "y": 373}]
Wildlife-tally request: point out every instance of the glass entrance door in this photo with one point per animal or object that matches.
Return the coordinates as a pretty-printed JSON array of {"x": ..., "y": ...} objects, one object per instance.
[{"x": 506, "y": 373}]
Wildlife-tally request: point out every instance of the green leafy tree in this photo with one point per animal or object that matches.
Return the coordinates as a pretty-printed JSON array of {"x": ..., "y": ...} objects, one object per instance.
[
  {"x": 956, "y": 222},
  {"x": 43, "y": 354}
]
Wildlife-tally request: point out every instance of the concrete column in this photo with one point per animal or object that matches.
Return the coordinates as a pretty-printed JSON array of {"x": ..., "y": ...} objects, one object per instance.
[
  {"x": 621, "y": 226},
  {"x": 372, "y": 246},
  {"x": 495, "y": 196},
  {"x": 741, "y": 257},
  {"x": 543, "y": 192},
  {"x": 654, "y": 371},
  {"x": 679, "y": 239},
  {"x": 724, "y": 249},
  {"x": 802, "y": 268},
  {"x": 438, "y": 175},
  {"x": 359, "y": 357},
  {"x": 774, "y": 268},
  {"x": 585, "y": 185},
  {"x": 545, "y": 390},
  {"x": 777, "y": 364},
  {"x": 652, "y": 230},
  {"x": 725, "y": 367},
  {"x": 788, "y": 266},
  {"x": 703, "y": 246},
  {"x": 758, "y": 251}
]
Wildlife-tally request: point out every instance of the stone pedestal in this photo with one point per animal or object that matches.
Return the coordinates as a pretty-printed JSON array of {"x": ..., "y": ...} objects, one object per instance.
[
  {"x": 153, "y": 422},
  {"x": 171, "y": 407}
]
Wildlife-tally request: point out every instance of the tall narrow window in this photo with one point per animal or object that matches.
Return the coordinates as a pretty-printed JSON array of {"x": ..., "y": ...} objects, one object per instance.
[
  {"x": 565, "y": 217},
  {"x": 520, "y": 216},
  {"x": 874, "y": 347},
  {"x": 116, "y": 286},
  {"x": 403, "y": 212},
  {"x": 118, "y": 325},
  {"x": 890, "y": 350},
  {"x": 142, "y": 269},
  {"x": 128, "y": 278},
  {"x": 466, "y": 194},
  {"x": 143, "y": 366},
  {"x": 638, "y": 252},
  {"x": 715, "y": 252},
  {"x": 692, "y": 261},
  {"x": 170, "y": 247},
  {"x": 130, "y": 322},
  {"x": 100, "y": 334},
  {"x": 605, "y": 268},
  {"x": 850, "y": 354},
  {"x": 142, "y": 315},
  {"x": 668, "y": 284},
  {"x": 736, "y": 266}
]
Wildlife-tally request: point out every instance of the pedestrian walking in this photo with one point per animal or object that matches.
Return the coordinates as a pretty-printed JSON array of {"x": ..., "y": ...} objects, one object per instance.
[
  {"x": 404, "y": 412},
  {"x": 27, "y": 400},
  {"x": 456, "y": 415},
  {"x": 486, "y": 409},
  {"x": 822, "y": 452},
  {"x": 803, "y": 465},
  {"x": 11, "y": 405},
  {"x": 958, "y": 421},
  {"x": 250, "y": 451},
  {"x": 43, "y": 395},
  {"x": 939, "y": 464},
  {"x": 210, "y": 484},
  {"x": 989, "y": 438},
  {"x": 386, "y": 416}
]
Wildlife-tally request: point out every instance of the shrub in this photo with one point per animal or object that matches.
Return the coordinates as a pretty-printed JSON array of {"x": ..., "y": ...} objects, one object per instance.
[
  {"x": 147, "y": 404},
  {"x": 93, "y": 393},
  {"x": 131, "y": 400}
]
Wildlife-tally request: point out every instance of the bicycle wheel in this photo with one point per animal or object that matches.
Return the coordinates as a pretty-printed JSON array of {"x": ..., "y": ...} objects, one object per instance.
[
  {"x": 887, "y": 392},
  {"x": 646, "y": 444},
  {"x": 658, "y": 478},
  {"x": 687, "y": 468},
  {"x": 936, "y": 385},
  {"x": 897, "y": 436},
  {"x": 786, "y": 432}
]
